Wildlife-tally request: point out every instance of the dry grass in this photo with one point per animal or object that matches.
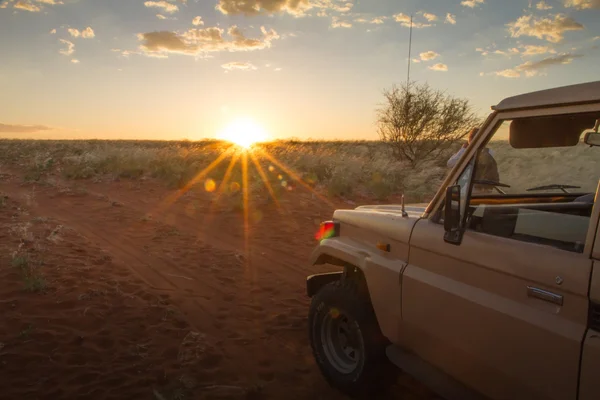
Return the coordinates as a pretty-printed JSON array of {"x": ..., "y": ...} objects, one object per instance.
[{"x": 336, "y": 169}]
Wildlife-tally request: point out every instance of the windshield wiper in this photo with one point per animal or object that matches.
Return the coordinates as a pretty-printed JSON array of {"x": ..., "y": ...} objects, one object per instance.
[
  {"x": 496, "y": 185},
  {"x": 554, "y": 186}
]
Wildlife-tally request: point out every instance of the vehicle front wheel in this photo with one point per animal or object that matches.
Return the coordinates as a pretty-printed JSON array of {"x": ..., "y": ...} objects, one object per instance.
[{"x": 346, "y": 341}]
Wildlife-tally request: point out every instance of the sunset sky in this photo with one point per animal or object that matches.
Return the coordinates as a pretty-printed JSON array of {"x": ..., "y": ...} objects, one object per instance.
[{"x": 173, "y": 69}]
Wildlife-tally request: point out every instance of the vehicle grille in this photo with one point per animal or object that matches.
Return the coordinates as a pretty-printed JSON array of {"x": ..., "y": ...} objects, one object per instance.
[{"x": 594, "y": 321}]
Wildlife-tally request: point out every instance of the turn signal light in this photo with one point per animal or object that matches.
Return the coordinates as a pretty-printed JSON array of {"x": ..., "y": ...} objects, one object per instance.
[{"x": 328, "y": 229}]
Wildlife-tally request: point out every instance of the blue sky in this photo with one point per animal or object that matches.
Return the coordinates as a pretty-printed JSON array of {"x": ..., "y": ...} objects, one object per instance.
[{"x": 138, "y": 69}]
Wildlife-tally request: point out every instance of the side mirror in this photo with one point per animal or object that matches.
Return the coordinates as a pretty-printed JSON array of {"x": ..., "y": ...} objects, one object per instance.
[
  {"x": 452, "y": 215},
  {"x": 592, "y": 138}
]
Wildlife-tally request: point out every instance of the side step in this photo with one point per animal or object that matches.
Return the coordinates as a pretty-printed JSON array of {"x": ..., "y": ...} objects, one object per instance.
[{"x": 436, "y": 380}]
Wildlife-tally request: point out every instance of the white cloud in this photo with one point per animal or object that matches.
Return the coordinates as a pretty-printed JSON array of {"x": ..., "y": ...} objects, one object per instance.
[
  {"x": 542, "y": 5},
  {"x": 532, "y": 50},
  {"x": 508, "y": 73},
  {"x": 439, "y": 67},
  {"x": 533, "y": 68},
  {"x": 405, "y": 21},
  {"x": 70, "y": 49},
  {"x": 337, "y": 23},
  {"x": 472, "y": 3},
  {"x": 582, "y": 4},
  {"x": 87, "y": 33},
  {"x": 549, "y": 29},
  {"x": 165, "y": 5},
  {"x": 240, "y": 66},
  {"x": 430, "y": 17},
  {"x": 429, "y": 55},
  {"x": 198, "y": 21},
  {"x": 26, "y": 6},
  {"x": 195, "y": 42},
  {"x": 450, "y": 19}
]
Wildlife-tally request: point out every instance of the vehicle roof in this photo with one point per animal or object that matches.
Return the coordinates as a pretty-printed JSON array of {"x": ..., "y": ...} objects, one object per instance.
[{"x": 588, "y": 92}]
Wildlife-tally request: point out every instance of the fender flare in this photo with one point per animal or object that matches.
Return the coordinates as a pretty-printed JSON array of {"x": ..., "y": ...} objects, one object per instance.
[{"x": 348, "y": 253}]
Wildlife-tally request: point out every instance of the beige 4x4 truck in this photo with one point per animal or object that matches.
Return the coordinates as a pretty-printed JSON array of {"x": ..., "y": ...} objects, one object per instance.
[{"x": 492, "y": 290}]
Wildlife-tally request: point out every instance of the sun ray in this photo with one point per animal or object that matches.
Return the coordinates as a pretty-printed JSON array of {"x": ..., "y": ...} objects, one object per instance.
[
  {"x": 221, "y": 189},
  {"x": 246, "y": 210},
  {"x": 294, "y": 176},
  {"x": 178, "y": 193},
  {"x": 264, "y": 178}
]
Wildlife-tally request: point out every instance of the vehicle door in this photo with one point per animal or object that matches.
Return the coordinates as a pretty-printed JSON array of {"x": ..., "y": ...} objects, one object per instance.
[{"x": 501, "y": 304}]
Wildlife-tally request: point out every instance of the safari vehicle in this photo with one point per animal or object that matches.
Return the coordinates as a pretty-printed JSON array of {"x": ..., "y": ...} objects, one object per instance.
[{"x": 492, "y": 290}]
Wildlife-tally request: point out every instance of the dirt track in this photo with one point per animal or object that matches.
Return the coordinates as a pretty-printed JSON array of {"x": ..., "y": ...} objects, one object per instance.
[{"x": 173, "y": 265}]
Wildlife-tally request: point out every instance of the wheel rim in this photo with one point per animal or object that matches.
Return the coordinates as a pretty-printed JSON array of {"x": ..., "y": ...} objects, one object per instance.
[{"x": 342, "y": 342}]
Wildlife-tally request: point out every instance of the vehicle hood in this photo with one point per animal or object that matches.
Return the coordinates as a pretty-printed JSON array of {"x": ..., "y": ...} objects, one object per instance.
[{"x": 384, "y": 220}]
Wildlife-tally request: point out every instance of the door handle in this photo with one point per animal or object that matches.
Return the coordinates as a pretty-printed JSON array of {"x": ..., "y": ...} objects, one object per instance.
[{"x": 544, "y": 295}]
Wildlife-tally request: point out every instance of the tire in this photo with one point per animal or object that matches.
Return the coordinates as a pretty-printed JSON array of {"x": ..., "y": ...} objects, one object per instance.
[{"x": 346, "y": 341}]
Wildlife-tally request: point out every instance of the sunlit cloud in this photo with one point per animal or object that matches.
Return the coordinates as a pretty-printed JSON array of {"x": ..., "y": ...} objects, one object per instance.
[
  {"x": 542, "y": 5},
  {"x": 375, "y": 20},
  {"x": 6, "y": 128},
  {"x": 87, "y": 33},
  {"x": 337, "y": 23},
  {"x": 438, "y": 67},
  {"x": 241, "y": 66},
  {"x": 472, "y": 3},
  {"x": 428, "y": 55},
  {"x": 533, "y": 68},
  {"x": 26, "y": 6},
  {"x": 165, "y": 5},
  {"x": 199, "y": 41},
  {"x": 75, "y": 61},
  {"x": 450, "y": 19},
  {"x": 532, "y": 50},
  {"x": 582, "y": 4},
  {"x": 550, "y": 29},
  {"x": 429, "y": 17},
  {"x": 70, "y": 49},
  {"x": 297, "y": 8},
  {"x": 53, "y": 32},
  {"x": 405, "y": 21},
  {"x": 198, "y": 21}
]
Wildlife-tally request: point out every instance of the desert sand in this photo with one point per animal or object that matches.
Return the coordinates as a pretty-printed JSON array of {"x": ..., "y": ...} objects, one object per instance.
[{"x": 112, "y": 290}]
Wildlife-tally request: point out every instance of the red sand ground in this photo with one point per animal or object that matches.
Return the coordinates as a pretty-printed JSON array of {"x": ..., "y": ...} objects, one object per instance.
[{"x": 164, "y": 306}]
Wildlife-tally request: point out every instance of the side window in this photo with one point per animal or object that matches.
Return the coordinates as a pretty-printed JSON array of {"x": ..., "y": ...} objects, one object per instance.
[{"x": 535, "y": 181}]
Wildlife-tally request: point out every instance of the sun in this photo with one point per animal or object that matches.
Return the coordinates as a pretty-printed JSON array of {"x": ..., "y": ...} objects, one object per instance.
[{"x": 244, "y": 132}]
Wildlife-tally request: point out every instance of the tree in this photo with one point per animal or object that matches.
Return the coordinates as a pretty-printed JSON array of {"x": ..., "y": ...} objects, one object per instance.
[{"x": 420, "y": 123}]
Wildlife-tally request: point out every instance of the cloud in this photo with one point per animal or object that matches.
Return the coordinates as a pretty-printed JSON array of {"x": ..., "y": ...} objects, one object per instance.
[
  {"x": 198, "y": 21},
  {"x": 582, "y": 4},
  {"x": 532, "y": 68},
  {"x": 160, "y": 16},
  {"x": 87, "y": 33},
  {"x": 508, "y": 73},
  {"x": 70, "y": 48},
  {"x": 196, "y": 42},
  {"x": 439, "y": 67},
  {"x": 26, "y": 6},
  {"x": 544, "y": 28},
  {"x": 240, "y": 66},
  {"x": 255, "y": 7},
  {"x": 405, "y": 21},
  {"x": 429, "y": 55},
  {"x": 542, "y": 5},
  {"x": 53, "y": 32},
  {"x": 75, "y": 61},
  {"x": 532, "y": 50},
  {"x": 450, "y": 19},
  {"x": 4, "y": 128},
  {"x": 429, "y": 17},
  {"x": 472, "y": 3},
  {"x": 166, "y": 6},
  {"x": 375, "y": 20},
  {"x": 337, "y": 23}
]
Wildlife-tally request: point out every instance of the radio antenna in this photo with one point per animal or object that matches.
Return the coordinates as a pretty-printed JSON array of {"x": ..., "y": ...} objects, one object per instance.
[{"x": 409, "y": 51}]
